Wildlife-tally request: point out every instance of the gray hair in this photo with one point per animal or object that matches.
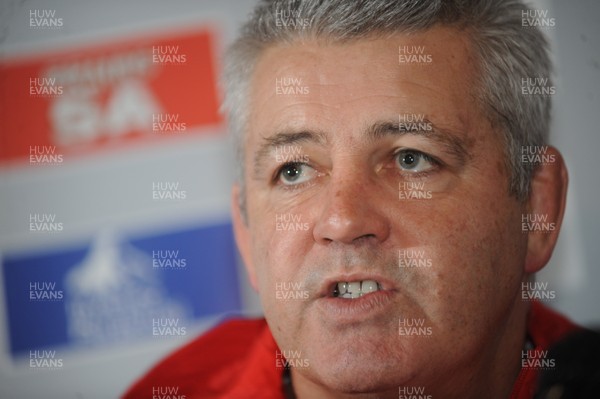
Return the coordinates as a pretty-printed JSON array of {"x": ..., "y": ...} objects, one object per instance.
[{"x": 507, "y": 52}]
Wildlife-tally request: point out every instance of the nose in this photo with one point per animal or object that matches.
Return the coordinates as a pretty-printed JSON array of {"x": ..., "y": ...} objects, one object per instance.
[{"x": 352, "y": 211}]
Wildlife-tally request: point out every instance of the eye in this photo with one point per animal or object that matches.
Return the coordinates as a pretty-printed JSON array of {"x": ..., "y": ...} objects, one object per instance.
[
  {"x": 295, "y": 173},
  {"x": 414, "y": 161}
]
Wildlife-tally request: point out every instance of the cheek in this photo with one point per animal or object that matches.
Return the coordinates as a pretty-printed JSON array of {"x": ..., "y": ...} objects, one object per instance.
[
  {"x": 281, "y": 241},
  {"x": 278, "y": 268},
  {"x": 475, "y": 260}
]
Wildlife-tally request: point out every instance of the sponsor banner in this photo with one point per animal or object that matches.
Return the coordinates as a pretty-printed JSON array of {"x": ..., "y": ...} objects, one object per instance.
[
  {"x": 119, "y": 289},
  {"x": 108, "y": 95}
]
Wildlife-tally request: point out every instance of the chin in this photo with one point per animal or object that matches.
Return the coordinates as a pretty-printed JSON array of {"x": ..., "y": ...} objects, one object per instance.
[
  {"x": 351, "y": 382},
  {"x": 352, "y": 372}
]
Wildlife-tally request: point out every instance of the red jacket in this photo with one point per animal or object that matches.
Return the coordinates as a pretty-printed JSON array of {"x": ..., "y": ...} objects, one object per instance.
[{"x": 236, "y": 360}]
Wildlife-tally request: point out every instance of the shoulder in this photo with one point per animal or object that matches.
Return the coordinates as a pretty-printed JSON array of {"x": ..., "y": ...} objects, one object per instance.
[{"x": 206, "y": 363}]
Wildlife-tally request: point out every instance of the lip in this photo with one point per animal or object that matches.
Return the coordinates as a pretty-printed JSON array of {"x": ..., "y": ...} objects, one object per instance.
[{"x": 367, "y": 306}]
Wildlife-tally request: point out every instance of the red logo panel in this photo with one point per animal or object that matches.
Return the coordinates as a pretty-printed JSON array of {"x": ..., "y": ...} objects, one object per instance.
[{"x": 107, "y": 95}]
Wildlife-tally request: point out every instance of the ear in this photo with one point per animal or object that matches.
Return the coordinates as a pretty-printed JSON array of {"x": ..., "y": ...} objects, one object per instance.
[
  {"x": 548, "y": 196},
  {"x": 242, "y": 234}
]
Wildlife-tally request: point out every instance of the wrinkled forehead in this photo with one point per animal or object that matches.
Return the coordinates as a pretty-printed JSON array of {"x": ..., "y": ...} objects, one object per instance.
[{"x": 431, "y": 72}]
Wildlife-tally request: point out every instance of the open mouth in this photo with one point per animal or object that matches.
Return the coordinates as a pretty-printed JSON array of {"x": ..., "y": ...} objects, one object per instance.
[
  {"x": 354, "y": 289},
  {"x": 349, "y": 298}
]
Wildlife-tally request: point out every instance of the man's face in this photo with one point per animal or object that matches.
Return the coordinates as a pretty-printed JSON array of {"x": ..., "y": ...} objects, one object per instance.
[{"x": 400, "y": 184}]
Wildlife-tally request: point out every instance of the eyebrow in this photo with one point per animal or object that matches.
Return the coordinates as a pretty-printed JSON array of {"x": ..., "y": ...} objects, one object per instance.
[
  {"x": 451, "y": 143},
  {"x": 286, "y": 138}
]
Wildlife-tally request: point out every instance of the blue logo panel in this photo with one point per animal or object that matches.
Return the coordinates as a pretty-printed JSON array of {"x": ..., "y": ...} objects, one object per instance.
[{"x": 118, "y": 289}]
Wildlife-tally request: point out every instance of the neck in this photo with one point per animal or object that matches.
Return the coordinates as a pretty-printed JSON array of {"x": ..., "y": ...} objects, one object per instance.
[{"x": 493, "y": 370}]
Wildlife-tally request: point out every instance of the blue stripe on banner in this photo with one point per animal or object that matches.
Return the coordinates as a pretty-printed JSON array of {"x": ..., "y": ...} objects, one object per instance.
[{"x": 119, "y": 289}]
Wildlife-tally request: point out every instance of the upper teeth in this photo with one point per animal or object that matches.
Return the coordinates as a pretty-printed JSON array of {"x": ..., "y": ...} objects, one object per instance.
[{"x": 355, "y": 289}]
